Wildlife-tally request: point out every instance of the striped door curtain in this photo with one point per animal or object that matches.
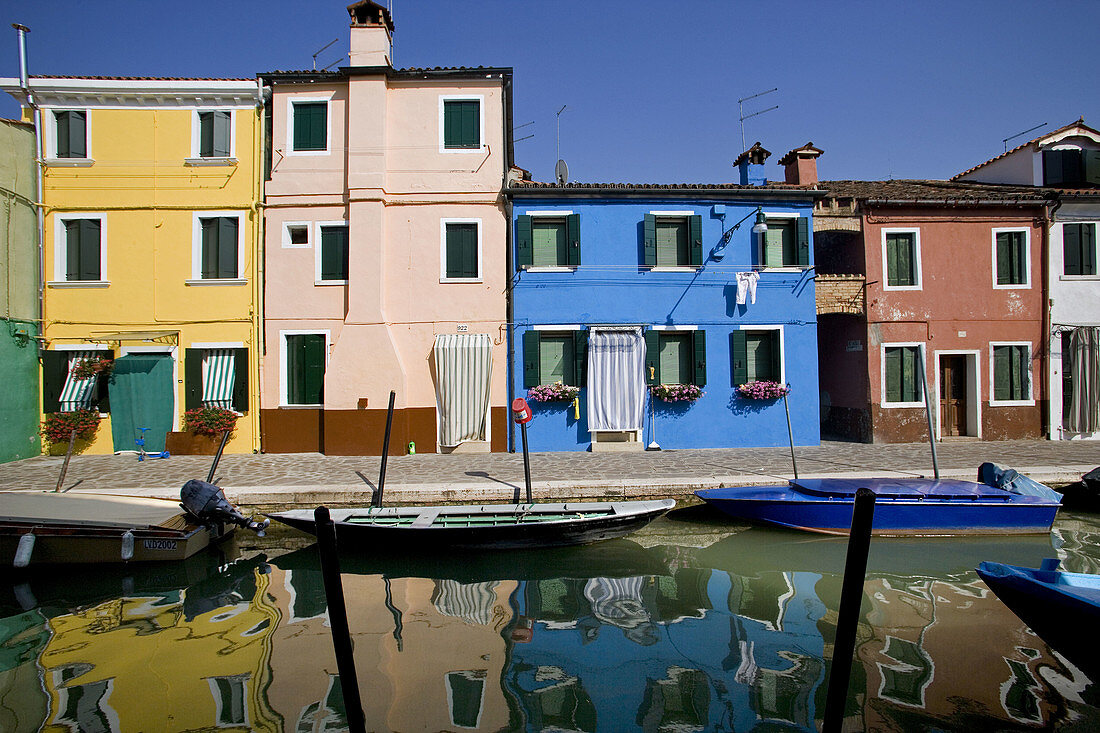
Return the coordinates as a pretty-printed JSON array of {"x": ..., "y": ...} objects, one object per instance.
[
  {"x": 77, "y": 394},
  {"x": 1083, "y": 413},
  {"x": 616, "y": 379},
  {"x": 217, "y": 378},
  {"x": 463, "y": 366}
]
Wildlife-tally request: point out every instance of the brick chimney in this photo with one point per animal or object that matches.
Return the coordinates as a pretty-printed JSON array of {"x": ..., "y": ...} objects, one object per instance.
[
  {"x": 371, "y": 34},
  {"x": 800, "y": 165},
  {"x": 750, "y": 165}
]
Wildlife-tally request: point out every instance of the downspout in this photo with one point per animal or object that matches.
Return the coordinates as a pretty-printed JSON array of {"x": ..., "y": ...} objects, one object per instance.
[
  {"x": 509, "y": 307},
  {"x": 39, "y": 144},
  {"x": 259, "y": 230},
  {"x": 1044, "y": 353}
]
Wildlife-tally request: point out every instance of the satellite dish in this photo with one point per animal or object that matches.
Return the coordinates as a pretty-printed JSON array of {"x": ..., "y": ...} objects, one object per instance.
[{"x": 561, "y": 172}]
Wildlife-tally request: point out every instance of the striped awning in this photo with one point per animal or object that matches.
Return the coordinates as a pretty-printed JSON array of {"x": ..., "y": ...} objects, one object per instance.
[
  {"x": 463, "y": 365},
  {"x": 77, "y": 394},
  {"x": 217, "y": 378}
]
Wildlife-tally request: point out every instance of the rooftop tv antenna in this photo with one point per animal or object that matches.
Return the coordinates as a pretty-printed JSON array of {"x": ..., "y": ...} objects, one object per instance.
[
  {"x": 321, "y": 49},
  {"x": 744, "y": 116},
  {"x": 519, "y": 127},
  {"x": 1018, "y": 134},
  {"x": 557, "y": 138},
  {"x": 561, "y": 172}
]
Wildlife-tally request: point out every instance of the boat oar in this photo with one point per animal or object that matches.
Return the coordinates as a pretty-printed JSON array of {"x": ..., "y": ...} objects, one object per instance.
[
  {"x": 385, "y": 452},
  {"x": 851, "y": 596},
  {"x": 217, "y": 457}
]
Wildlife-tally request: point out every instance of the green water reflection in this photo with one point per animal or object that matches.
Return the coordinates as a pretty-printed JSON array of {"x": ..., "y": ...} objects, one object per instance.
[{"x": 691, "y": 625}]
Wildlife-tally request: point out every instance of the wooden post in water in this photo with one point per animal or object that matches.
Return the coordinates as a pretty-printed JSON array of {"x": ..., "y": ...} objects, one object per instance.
[
  {"x": 851, "y": 596},
  {"x": 385, "y": 452},
  {"x": 65, "y": 465},
  {"x": 338, "y": 619}
]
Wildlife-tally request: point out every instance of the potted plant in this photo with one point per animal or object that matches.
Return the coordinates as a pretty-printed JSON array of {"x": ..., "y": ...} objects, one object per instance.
[
  {"x": 556, "y": 392},
  {"x": 762, "y": 389},
  {"x": 202, "y": 431},
  {"x": 57, "y": 427},
  {"x": 676, "y": 392},
  {"x": 90, "y": 367}
]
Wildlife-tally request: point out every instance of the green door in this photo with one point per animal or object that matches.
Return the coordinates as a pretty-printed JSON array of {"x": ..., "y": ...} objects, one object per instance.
[{"x": 142, "y": 384}]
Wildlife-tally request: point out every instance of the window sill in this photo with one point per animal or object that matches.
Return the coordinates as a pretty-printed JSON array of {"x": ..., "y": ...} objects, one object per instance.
[
  {"x": 673, "y": 268},
  {"x": 454, "y": 280},
  {"x": 322, "y": 283},
  {"x": 1072, "y": 278},
  {"x": 216, "y": 282},
  {"x": 70, "y": 162},
  {"x": 209, "y": 162},
  {"x": 894, "y": 288},
  {"x": 79, "y": 283},
  {"x": 301, "y": 407},
  {"x": 1014, "y": 286},
  {"x": 477, "y": 149},
  {"x": 786, "y": 268},
  {"x": 549, "y": 268},
  {"x": 307, "y": 152},
  {"x": 1012, "y": 403},
  {"x": 891, "y": 405}
]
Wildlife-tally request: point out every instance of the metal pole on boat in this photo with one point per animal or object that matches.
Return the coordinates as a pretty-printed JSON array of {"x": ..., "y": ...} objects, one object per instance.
[
  {"x": 338, "y": 618},
  {"x": 521, "y": 413},
  {"x": 851, "y": 596},
  {"x": 790, "y": 433},
  {"x": 65, "y": 465},
  {"x": 928, "y": 415},
  {"x": 385, "y": 451},
  {"x": 526, "y": 464},
  {"x": 217, "y": 457}
]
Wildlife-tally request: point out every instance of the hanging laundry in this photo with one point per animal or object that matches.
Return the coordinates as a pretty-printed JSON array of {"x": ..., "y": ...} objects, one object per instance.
[{"x": 746, "y": 285}]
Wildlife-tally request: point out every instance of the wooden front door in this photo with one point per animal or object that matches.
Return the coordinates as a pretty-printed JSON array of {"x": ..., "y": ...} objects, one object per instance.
[{"x": 952, "y": 395}]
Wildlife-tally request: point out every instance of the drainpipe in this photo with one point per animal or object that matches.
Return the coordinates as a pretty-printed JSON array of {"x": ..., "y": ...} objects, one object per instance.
[
  {"x": 24, "y": 84},
  {"x": 1044, "y": 353}
]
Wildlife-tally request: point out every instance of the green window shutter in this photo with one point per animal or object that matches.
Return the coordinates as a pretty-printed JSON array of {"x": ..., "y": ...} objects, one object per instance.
[
  {"x": 695, "y": 241},
  {"x": 531, "y": 376},
  {"x": 89, "y": 249},
  {"x": 1071, "y": 249},
  {"x": 699, "y": 349},
  {"x": 72, "y": 250},
  {"x": 910, "y": 374},
  {"x": 1052, "y": 167},
  {"x": 676, "y": 357},
  {"x": 102, "y": 386},
  {"x": 1088, "y": 249},
  {"x": 61, "y": 120},
  {"x": 776, "y": 365},
  {"x": 209, "y": 255},
  {"x": 71, "y": 135},
  {"x": 580, "y": 357},
  {"x": 573, "y": 239},
  {"x": 893, "y": 358},
  {"x": 739, "y": 357},
  {"x": 221, "y": 134},
  {"x": 1004, "y": 255},
  {"x": 55, "y": 370},
  {"x": 461, "y": 124},
  {"x": 803, "y": 256},
  {"x": 773, "y": 244},
  {"x": 306, "y": 369},
  {"x": 192, "y": 378},
  {"x": 227, "y": 247},
  {"x": 649, "y": 241},
  {"x": 240, "y": 380},
  {"x": 206, "y": 134},
  {"x": 310, "y": 125},
  {"x": 556, "y": 358},
  {"x": 1002, "y": 380},
  {"x": 334, "y": 253},
  {"x": 1092, "y": 167},
  {"x": 524, "y": 248},
  {"x": 462, "y": 250},
  {"x": 652, "y": 357}
]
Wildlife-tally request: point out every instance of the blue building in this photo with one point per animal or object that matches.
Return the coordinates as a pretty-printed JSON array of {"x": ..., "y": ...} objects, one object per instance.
[{"x": 643, "y": 296}]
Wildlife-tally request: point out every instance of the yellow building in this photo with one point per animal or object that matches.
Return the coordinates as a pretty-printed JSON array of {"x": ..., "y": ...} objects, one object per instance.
[{"x": 151, "y": 232}]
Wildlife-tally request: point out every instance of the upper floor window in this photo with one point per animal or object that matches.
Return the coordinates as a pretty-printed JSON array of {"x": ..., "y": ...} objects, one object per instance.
[
  {"x": 676, "y": 357},
  {"x": 217, "y": 247},
  {"x": 332, "y": 259},
  {"x": 309, "y": 125},
  {"x": 83, "y": 255},
  {"x": 1011, "y": 253},
  {"x": 673, "y": 239},
  {"x": 461, "y": 250},
  {"x": 786, "y": 243},
  {"x": 1079, "y": 249},
  {"x": 1072, "y": 166},
  {"x": 548, "y": 240},
  {"x": 461, "y": 124},
  {"x": 215, "y": 134},
  {"x": 71, "y": 134},
  {"x": 901, "y": 259}
]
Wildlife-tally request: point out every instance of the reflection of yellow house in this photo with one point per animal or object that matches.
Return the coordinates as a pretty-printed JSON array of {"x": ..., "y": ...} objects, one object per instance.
[
  {"x": 152, "y": 191},
  {"x": 140, "y": 663}
]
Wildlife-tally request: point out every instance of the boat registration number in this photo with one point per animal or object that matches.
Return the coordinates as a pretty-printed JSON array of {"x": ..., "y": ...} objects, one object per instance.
[{"x": 159, "y": 544}]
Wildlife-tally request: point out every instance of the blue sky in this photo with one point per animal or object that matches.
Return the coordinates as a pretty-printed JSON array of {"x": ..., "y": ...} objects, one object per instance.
[{"x": 887, "y": 89}]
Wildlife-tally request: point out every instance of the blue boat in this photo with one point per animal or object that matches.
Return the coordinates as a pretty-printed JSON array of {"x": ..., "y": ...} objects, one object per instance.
[
  {"x": 1062, "y": 608},
  {"x": 1001, "y": 502}
]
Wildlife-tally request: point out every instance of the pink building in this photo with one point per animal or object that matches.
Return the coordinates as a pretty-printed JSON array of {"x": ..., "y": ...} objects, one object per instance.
[{"x": 385, "y": 253}]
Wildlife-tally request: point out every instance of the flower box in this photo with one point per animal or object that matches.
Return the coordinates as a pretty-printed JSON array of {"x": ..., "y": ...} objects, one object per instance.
[
  {"x": 676, "y": 392},
  {"x": 556, "y": 392},
  {"x": 762, "y": 390}
]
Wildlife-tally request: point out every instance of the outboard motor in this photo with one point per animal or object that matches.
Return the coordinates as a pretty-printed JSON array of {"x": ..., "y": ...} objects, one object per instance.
[{"x": 207, "y": 503}]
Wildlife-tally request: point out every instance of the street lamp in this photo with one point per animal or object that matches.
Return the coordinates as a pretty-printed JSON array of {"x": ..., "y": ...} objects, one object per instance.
[{"x": 760, "y": 227}]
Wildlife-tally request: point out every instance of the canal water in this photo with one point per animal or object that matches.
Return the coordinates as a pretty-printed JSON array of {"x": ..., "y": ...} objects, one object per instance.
[{"x": 693, "y": 624}]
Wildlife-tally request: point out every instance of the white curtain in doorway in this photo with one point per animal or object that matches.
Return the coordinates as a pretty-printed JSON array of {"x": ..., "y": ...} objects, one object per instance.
[
  {"x": 463, "y": 366},
  {"x": 616, "y": 379},
  {"x": 1083, "y": 413}
]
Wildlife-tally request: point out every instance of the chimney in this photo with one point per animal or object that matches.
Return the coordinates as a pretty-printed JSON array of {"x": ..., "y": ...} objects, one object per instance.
[
  {"x": 371, "y": 34},
  {"x": 750, "y": 164},
  {"x": 800, "y": 165}
]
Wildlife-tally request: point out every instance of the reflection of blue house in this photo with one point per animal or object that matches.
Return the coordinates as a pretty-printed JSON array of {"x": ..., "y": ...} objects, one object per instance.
[{"x": 620, "y": 288}]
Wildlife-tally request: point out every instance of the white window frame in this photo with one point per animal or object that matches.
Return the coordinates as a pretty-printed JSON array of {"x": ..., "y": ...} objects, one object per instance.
[
  {"x": 210, "y": 345},
  {"x": 480, "y": 99},
  {"x": 196, "y": 138},
  {"x": 1060, "y": 253},
  {"x": 283, "y": 376},
  {"x": 443, "y": 250},
  {"x": 918, "y": 270},
  {"x": 196, "y": 247},
  {"x": 675, "y": 214},
  {"x": 760, "y": 243},
  {"x": 1026, "y": 285},
  {"x": 50, "y": 125},
  {"x": 61, "y": 250},
  {"x": 549, "y": 214},
  {"x": 1030, "y": 401},
  {"x": 882, "y": 368},
  {"x": 307, "y": 225},
  {"x": 290, "y": 102},
  {"x": 782, "y": 345},
  {"x": 84, "y": 347},
  {"x": 318, "y": 250}
]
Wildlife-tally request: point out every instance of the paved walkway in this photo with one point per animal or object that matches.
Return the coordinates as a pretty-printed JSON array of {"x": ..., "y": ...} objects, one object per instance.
[{"x": 308, "y": 479}]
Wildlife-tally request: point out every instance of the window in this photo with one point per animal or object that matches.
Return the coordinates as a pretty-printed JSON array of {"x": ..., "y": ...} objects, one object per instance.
[
  {"x": 71, "y": 127},
  {"x": 550, "y": 357},
  {"x": 902, "y": 375},
  {"x": 673, "y": 239},
  {"x": 1071, "y": 167},
  {"x": 216, "y": 376},
  {"x": 309, "y": 125},
  {"x": 332, "y": 259},
  {"x": 465, "y": 693},
  {"x": 461, "y": 250},
  {"x": 1011, "y": 372},
  {"x": 80, "y": 249},
  {"x": 756, "y": 356},
  {"x": 230, "y": 700},
  {"x": 215, "y": 134},
  {"x": 1079, "y": 249},
  {"x": 786, "y": 243},
  {"x": 1010, "y": 255},
  {"x": 295, "y": 234},
  {"x": 548, "y": 240},
  {"x": 461, "y": 124},
  {"x": 218, "y": 249},
  {"x": 676, "y": 357},
  {"x": 901, "y": 259},
  {"x": 305, "y": 357},
  {"x": 61, "y": 392}
]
